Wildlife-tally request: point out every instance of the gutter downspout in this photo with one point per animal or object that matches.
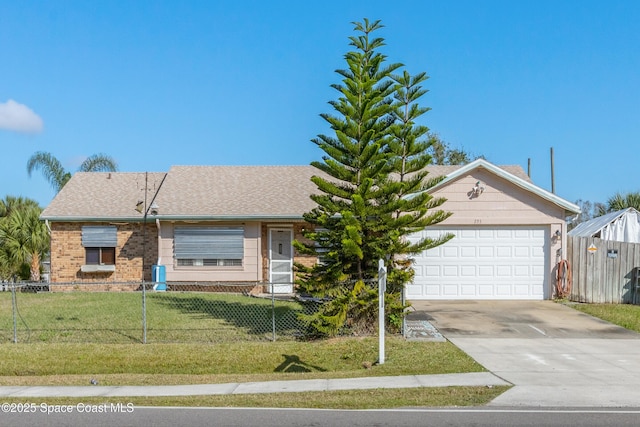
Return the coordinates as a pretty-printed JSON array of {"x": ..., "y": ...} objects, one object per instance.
[{"x": 159, "y": 262}]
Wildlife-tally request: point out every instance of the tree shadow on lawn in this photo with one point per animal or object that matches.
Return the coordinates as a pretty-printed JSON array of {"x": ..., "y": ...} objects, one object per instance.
[
  {"x": 252, "y": 316},
  {"x": 292, "y": 363}
]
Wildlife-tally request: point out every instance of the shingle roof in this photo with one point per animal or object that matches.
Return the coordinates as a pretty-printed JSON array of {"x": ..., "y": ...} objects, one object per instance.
[
  {"x": 237, "y": 191},
  {"x": 103, "y": 195},
  {"x": 198, "y": 192}
]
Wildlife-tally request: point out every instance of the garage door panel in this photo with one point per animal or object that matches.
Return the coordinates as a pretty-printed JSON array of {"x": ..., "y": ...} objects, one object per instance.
[
  {"x": 450, "y": 271},
  {"x": 451, "y": 252},
  {"x": 486, "y": 271},
  {"x": 468, "y": 270},
  {"x": 521, "y": 290},
  {"x": 504, "y": 251},
  {"x": 485, "y": 263},
  {"x": 504, "y": 271},
  {"x": 432, "y": 270},
  {"x": 522, "y": 271},
  {"x": 467, "y": 290},
  {"x": 522, "y": 252},
  {"x": 466, "y": 233},
  {"x": 469, "y": 251},
  {"x": 485, "y": 290},
  {"x": 483, "y": 234},
  {"x": 450, "y": 290}
]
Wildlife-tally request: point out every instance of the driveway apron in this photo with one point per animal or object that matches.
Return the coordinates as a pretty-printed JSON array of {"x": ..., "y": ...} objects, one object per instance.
[{"x": 553, "y": 354}]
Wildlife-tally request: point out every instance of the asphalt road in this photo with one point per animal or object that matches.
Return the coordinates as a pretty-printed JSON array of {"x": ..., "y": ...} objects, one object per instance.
[{"x": 171, "y": 417}]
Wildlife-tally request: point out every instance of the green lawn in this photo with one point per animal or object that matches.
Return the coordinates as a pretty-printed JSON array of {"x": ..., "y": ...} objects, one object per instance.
[
  {"x": 195, "y": 338},
  {"x": 625, "y": 315},
  {"x": 117, "y": 317},
  {"x": 157, "y": 364},
  {"x": 114, "y": 364}
]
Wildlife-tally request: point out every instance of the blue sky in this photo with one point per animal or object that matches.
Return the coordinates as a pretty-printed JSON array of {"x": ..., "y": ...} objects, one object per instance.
[{"x": 162, "y": 83}]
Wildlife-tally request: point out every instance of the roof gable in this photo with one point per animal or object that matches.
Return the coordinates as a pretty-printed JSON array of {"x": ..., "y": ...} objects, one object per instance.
[{"x": 502, "y": 172}]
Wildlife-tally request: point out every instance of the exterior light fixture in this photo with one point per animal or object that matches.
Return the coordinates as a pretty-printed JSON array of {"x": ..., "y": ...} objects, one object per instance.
[
  {"x": 153, "y": 209},
  {"x": 477, "y": 190}
]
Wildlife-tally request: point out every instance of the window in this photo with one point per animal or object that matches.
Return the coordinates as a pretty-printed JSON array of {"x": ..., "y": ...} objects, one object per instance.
[
  {"x": 209, "y": 246},
  {"x": 99, "y": 243},
  {"x": 321, "y": 244},
  {"x": 104, "y": 256}
]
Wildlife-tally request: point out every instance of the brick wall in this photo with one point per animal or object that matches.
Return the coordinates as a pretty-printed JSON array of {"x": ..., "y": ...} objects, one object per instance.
[{"x": 68, "y": 254}]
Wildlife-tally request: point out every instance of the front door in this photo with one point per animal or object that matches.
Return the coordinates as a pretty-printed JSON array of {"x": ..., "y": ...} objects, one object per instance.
[{"x": 280, "y": 261}]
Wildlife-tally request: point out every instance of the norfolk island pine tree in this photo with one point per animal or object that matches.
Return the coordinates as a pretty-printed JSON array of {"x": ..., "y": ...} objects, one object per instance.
[{"x": 372, "y": 191}]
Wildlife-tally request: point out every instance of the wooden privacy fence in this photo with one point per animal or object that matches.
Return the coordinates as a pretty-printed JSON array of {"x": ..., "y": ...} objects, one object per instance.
[{"x": 604, "y": 271}]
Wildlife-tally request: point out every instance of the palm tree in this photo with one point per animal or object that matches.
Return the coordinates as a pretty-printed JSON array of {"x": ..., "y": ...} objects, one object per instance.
[
  {"x": 55, "y": 173},
  {"x": 23, "y": 239},
  {"x": 11, "y": 203},
  {"x": 619, "y": 201}
]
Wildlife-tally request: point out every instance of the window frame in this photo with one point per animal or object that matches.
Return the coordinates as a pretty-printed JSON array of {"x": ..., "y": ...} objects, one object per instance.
[
  {"x": 193, "y": 244},
  {"x": 99, "y": 242}
]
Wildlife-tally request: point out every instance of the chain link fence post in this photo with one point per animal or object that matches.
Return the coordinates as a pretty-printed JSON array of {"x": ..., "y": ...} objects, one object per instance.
[
  {"x": 14, "y": 309},
  {"x": 144, "y": 313},
  {"x": 403, "y": 301},
  {"x": 273, "y": 312}
]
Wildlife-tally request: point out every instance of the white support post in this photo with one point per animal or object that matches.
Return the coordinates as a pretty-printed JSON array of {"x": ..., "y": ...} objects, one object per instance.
[{"x": 382, "y": 287}]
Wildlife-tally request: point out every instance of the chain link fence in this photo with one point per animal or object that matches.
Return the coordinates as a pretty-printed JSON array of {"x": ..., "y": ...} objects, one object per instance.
[{"x": 134, "y": 312}]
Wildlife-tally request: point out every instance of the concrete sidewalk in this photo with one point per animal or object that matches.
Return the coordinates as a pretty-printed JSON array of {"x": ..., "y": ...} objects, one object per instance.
[{"x": 483, "y": 379}]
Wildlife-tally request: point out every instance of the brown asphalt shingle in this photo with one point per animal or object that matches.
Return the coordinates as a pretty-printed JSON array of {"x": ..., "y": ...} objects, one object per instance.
[{"x": 198, "y": 192}]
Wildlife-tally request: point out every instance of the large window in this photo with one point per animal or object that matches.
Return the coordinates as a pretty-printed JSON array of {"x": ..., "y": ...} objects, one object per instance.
[{"x": 209, "y": 246}]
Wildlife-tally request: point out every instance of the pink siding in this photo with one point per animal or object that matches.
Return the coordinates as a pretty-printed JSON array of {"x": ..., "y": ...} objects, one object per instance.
[
  {"x": 250, "y": 271},
  {"x": 501, "y": 203}
]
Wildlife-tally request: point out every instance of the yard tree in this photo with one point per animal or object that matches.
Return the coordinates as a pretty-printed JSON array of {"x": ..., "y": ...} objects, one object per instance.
[
  {"x": 588, "y": 211},
  {"x": 55, "y": 173},
  {"x": 24, "y": 239},
  {"x": 621, "y": 201},
  {"x": 444, "y": 154},
  {"x": 371, "y": 190}
]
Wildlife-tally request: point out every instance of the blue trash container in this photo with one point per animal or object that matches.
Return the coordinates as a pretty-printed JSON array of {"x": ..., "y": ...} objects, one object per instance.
[{"x": 159, "y": 276}]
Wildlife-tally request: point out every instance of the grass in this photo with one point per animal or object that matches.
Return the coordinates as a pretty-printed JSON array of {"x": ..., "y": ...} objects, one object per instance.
[
  {"x": 168, "y": 364},
  {"x": 116, "y": 317},
  {"x": 136, "y": 364},
  {"x": 207, "y": 338},
  {"x": 625, "y": 315},
  {"x": 348, "y": 399}
]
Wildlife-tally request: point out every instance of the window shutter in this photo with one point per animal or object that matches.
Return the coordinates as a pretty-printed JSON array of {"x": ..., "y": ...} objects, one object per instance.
[
  {"x": 99, "y": 236},
  {"x": 209, "y": 242}
]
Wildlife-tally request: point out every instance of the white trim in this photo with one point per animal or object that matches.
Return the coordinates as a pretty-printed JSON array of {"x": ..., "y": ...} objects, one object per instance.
[
  {"x": 481, "y": 163},
  {"x": 93, "y": 268}
]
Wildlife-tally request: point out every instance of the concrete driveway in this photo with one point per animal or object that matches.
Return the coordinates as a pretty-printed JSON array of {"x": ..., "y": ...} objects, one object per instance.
[{"x": 554, "y": 355}]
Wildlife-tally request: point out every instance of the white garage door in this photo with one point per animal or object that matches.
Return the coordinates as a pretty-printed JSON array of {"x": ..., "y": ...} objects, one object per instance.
[{"x": 483, "y": 263}]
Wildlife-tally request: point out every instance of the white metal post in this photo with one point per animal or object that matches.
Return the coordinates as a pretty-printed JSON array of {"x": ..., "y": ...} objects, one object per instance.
[{"x": 382, "y": 285}]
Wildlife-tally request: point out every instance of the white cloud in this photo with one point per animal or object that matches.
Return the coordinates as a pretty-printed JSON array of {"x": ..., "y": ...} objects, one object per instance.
[{"x": 19, "y": 118}]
